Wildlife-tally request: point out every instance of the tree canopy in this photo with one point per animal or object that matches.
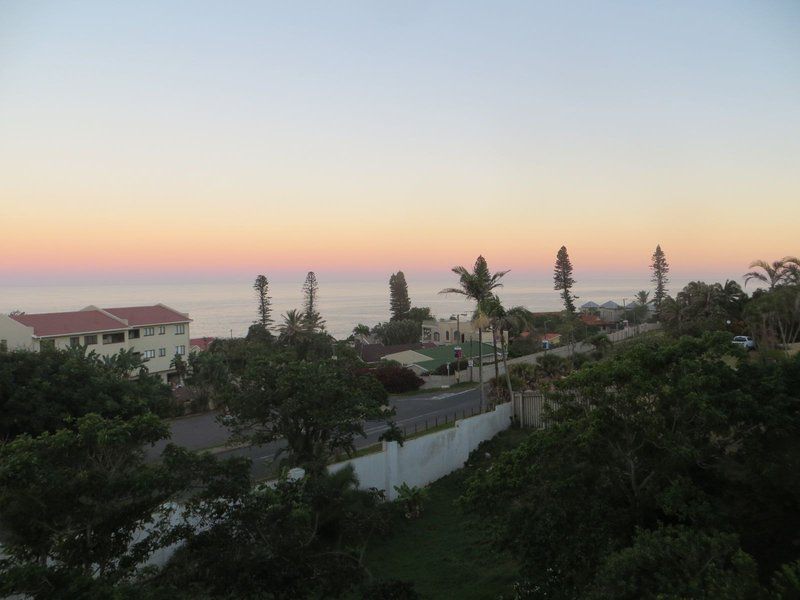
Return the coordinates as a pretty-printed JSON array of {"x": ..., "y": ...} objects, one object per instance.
[{"x": 669, "y": 448}]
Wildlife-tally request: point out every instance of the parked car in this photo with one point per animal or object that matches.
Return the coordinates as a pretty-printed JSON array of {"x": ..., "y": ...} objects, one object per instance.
[{"x": 745, "y": 342}]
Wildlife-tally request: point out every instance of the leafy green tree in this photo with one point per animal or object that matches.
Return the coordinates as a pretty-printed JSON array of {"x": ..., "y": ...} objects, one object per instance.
[
  {"x": 698, "y": 307},
  {"x": 477, "y": 285},
  {"x": 209, "y": 379},
  {"x": 660, "y": 268},
  {"x": 312, "y": 321},
  {"x": 399, "y": 302},
  {"x": 299, "y": 539},
  {"x": 419, "y": 314},
  {"x": 518, "y": 320},
  {"x": 40, "y": 391},
  {"x": 82, "y": 504},
  {"x": 775, "y": 273},
  {"x": 678, "y": 562},
  {"x": 563, "y": 281},
  {"x": 263, "y": 301},
  {"x": 180, "y": 366},
  {"x": 125, "y": 362},
  {"x": 318, "y": 408},
  {"x": 775, "y": 316},
  {"x": 361, "y": 329},
  {"x": 601, "y": 343},
  {"x": 398, "y": 332},
  {"x": 663, "y": 432}
]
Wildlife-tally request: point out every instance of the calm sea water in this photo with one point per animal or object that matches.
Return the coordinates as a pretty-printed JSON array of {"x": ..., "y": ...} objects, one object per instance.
[{"x": 228, "y": 308}]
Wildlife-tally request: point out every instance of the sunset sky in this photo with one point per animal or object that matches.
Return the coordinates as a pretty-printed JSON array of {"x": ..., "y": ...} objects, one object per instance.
[{"x": 208, "y": 139}]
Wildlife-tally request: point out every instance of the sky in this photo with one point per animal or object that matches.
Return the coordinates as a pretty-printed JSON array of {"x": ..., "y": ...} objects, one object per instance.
[{"x": 174, "y": 140}]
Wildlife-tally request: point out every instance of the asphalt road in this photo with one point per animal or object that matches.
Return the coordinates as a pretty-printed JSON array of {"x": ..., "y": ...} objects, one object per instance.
[{"x": 413, "y": 413}]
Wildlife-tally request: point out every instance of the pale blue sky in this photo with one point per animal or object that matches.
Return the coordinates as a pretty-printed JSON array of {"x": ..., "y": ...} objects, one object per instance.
[{"x": 226, "y": 114}]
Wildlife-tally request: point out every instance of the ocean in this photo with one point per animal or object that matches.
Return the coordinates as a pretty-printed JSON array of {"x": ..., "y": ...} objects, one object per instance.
[{"x": 227, "y": 308}]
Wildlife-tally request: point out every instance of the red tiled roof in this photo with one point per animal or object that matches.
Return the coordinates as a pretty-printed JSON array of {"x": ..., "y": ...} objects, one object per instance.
[
  {"x": 203, "y": 343},
  {"x": 65, "y": 323},
  {"x": 148, "y": 315},
  {"x": 592, "y": 320},
  {"x": 551, "y": 336}
]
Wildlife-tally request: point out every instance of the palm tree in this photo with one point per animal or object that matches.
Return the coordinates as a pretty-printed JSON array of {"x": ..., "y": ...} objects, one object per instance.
[
  {"x": 519, "y": 319},
  {"x": 498, "y": 317},
  {"x": 477, "y": 285},
  {"x": 774, "y": 273},
  {"x": 292, "y": 328}
]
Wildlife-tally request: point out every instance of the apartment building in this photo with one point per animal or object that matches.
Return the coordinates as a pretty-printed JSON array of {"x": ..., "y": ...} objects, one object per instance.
[{"x": 156, "y": 332}]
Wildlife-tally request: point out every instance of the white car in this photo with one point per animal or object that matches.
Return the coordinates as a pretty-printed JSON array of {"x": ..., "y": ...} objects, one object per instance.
[{"x": 745, "y": 342}]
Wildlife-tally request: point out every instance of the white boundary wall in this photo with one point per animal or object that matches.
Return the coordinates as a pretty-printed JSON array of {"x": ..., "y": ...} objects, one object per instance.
[{"x": 429, "y": 457}]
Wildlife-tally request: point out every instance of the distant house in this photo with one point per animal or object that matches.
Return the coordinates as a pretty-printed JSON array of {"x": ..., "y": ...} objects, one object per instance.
[
  {"x": 157, "y": 333},
  {"x": 590, "y": 307},
  {"x": 591, "y": 320},
  {"x": 200, "y": 344},
  {"x": 427, "y": 359},
  {"x": 554, "y": 339},
  {"x": 448, "y": 331},
  {"x": 611, "y": 311},
  {"x": 373, "y": 353}
]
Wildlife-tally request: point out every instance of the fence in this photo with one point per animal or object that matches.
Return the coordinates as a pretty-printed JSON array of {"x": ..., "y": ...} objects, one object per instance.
[
  {"x": 529, "y": 409},
  {"x": 422, "y": 424},
  {"x": 425, "y": 459}
]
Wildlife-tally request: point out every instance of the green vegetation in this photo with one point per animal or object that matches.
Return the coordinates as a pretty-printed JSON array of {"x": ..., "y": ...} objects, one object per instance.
[
  {"x": 665, "y": 470},
  {"x": 399, "y": 302},
  {"x": 660, "y": 268},
  {"x": 447, "y": 552},
  {"x": 562, "y": 279}
]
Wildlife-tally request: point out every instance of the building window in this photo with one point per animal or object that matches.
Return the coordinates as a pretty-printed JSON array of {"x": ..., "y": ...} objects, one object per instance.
[
  {"x": 181, "y": 350},
  {"x": 435, "y": 336},
  {"x": 89, "y": 340},
  {"x": 162, "y": 329},
  {"x": 149, "y": 330},
  {"x": 179, "y": 329},
  {"x": 162, "y": 351},
  {"x": 133, "y": 334},
  {"x": 47, "y": 345},
  {"x": 74, "y": 342},
  {"x": 148, "y": 354},
  {"x": 3, "y": 345},
  {"x": 114, "y": 338},
  {"x": 447, "y": 336}
]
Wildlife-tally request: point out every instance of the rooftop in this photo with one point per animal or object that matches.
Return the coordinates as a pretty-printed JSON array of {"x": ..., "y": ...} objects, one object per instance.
[
  {"x": 94, "y": 320},
  {"x": 66, "y": 323},
  {"x": 158, "y": 314}
]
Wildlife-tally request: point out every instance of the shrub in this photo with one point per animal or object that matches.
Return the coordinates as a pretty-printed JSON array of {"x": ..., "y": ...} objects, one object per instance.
[
  {"x": 397, "y": 379},
  {"x": 460, "y": 365}
]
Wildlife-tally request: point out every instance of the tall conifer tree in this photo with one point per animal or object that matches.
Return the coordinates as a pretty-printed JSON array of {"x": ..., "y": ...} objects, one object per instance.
[
  {"x": 660, "y": 268},
  {"x": 311, "y": 317},
  {"x": 399, "y": 302},
  {"x": 563, "y": 281},
  {"x": 263, "y": 301}
]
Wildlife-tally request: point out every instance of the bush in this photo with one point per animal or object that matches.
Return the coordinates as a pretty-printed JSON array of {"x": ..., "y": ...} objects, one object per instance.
[
  {"x": 523, "y": 347},
  {"x": 460, "y": 365},
  {"x": 397, "y": 379}
]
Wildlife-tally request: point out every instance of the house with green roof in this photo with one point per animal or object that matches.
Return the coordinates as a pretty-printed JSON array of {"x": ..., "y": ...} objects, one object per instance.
[{"x": 427, "y": 360}]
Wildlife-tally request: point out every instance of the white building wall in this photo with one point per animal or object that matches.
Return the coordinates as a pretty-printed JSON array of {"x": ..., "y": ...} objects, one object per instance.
[{"x": 16, "y": 335}]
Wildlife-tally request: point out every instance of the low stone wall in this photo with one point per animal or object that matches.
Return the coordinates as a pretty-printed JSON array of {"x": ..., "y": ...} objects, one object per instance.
[{"x": 429, "y": 457}]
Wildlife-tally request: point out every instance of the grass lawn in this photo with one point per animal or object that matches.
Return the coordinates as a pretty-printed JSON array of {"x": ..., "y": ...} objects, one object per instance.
[{"x": 447, "y": 553}]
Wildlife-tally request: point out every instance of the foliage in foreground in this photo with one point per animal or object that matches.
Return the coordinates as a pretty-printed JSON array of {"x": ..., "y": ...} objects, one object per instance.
[{"x": 663, "y": 451}]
